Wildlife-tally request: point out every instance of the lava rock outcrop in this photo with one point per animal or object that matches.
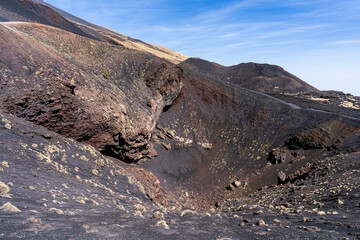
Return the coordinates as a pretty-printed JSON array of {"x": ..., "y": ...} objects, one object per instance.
[{"x": 42, "y": 83}]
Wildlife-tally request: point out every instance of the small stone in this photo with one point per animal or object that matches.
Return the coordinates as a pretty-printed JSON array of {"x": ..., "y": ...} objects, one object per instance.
[
  {"x": 340, "y": 202},
  {"x": 167, "y": 146},
  {"x": 86, "y": 227},
  {"x": 8, "y": 126},
  {"x": 261, "y": 223},
  {"x": 47, "y": 136},
  {"x": 277, "y": 221},
  {"x": 257, "y": 212},
  {"x": 156, "y": 215},
  {"x": 172, "y": 221},
  {"x": 237, "y": 183},
  {"x": 150, "y": 103},
  {"x": 218, "y": 204},
  {"x": 281, "y": 176}
]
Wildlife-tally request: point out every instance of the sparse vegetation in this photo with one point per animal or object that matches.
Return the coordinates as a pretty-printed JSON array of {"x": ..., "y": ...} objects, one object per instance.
[
  {"x": 105, "y": 73},
  {"x": 9, "y": 207},
  {"x": 4, "y": 190},
  {"x": 163, "y": 223},
  {"x": 214, "y": 134},
  {"x": 188, "y": 211}
]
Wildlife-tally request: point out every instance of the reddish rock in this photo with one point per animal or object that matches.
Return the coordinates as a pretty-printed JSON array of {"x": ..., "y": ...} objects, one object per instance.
[
  {"x": 151, "y": 184},
  {"x": 282, "y": 177}
]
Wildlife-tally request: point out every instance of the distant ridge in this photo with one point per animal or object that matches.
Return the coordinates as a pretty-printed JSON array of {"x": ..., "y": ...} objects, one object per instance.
[{"x": 264, "y": 78}]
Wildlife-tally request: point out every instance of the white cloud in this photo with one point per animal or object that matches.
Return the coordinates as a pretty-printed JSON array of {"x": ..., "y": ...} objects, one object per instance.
[{"x": 269, "y": 31}]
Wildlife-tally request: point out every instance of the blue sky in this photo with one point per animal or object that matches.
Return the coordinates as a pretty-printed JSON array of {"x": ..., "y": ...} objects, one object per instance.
[{"x": 318, "y": 40}]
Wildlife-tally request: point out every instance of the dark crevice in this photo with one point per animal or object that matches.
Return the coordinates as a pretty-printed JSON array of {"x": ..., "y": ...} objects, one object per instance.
[{"x": 166, "y": 108}]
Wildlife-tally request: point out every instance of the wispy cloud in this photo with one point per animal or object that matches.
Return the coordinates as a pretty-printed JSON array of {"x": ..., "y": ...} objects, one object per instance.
[
  {"x": 233, "y": 31},
  {"x": 344, "y": 42},
  {"x": 225, "y": 11}
]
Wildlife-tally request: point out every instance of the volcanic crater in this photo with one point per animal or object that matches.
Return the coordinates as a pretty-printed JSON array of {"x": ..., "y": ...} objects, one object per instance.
[{"x": 107, "y": 137}]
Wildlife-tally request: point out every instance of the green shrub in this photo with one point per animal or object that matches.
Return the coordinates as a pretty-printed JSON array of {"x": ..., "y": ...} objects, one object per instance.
[{"x": 106, "y": 73}]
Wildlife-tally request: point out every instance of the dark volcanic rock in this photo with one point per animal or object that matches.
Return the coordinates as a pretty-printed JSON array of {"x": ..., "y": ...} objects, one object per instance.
[
  {"x": 198, "y": 130},
  {"x": 77, "y": 193},
  {"x": 30, "y": 11},
  {"x": 277, "y": 156},
  {"x": 282, "y": 177},
  {"x": 260, "y": 77},
  {"x": 238, "y": 145},
  {"x": 109, "y": 114},
  {"x": 151, "y": 184}
]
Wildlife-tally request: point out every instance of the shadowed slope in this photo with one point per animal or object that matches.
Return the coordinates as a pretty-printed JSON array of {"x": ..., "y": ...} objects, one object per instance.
[
  {"x": 215, "y": 134},
  {"x": 55, "y": 188}
]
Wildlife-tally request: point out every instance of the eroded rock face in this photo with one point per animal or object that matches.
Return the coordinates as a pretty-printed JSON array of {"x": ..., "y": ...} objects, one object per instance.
[
  {"x": 331, "y": 135},
  {"x": 246, "y": 130},
  {"x": 151, "y": 184},
  {"x": 277, "y": 156},
  {"x": 110, "y": 113}
]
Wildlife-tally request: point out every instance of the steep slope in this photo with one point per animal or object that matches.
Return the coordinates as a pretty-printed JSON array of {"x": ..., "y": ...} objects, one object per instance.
[
  {"x": 263, "y": 78},
  {"x": 121, "y": 101},
  {"x": 49, "y": 177},
  {"x": 216, "y": 134},
  {"x": 56, "y": 188},
  {"x": 30, "y": 11},
  {"x": 117, "y": 38},
  {"x": 197, "y": 135},
  {"x": 42, "y": 12},
  {"x": 91, "y": 91}
]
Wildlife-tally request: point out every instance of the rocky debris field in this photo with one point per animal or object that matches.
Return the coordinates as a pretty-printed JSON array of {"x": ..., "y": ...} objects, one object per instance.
[
  {"x": 106, "y": 137},
  {"x": 54, "y": 188},
  {"x": 329, "y": 101}
]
